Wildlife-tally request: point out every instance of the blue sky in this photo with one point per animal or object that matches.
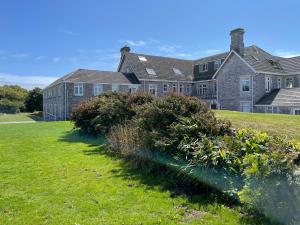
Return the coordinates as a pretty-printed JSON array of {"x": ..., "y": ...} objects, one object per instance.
[{"x": 42, "y": 40}]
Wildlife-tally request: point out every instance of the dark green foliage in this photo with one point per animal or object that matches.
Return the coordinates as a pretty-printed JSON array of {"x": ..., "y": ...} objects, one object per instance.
[
  {"x": 34, "y": 100},
  {"x": 12, "y": 99},
  {"x": 99, "y": 114},
  {"x": 259, "y": 170}
]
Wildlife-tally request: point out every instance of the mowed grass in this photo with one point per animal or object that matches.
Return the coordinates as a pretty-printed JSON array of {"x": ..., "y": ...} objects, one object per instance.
[
  {"x": 51, "y": 175},
  {"x": 287, "y": 126},
  {"x": 19, "y": 117}
]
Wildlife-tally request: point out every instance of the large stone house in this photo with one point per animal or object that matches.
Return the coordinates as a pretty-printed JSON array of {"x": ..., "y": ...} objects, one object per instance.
[{"x": 246, "y": 79}]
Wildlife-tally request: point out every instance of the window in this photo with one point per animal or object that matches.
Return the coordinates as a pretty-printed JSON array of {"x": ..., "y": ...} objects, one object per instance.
[
  {"x": 245, "y": 106},
  {"x": 181, "y": 88},
  {"x": 188, "y": 88},
  {"x": 268, "y": 84},
  {"x": 203, "y": 67},
  {"x": 177, "y": 71},
  {"x": 174, "y": 88},
  {"x": 201, "y": 89},
  {"x": 142, "y": 58},
  {"x": 297, "y": 112},
  {"x": 289, "y": 83},
  {"x": 115, "y": 87},
  {"x": 245, "y": 84},
  {"x": 278, "y": 83},
  {"x": 98, "y": 89},
  {"x": 133, "y": 89},
  {"x": 78, "y": 89},
  {"x": 217, "y": 64},
  {"x": 153, "y": 89},
  {"x": 150, "y": 71},
  {"x": 166, "y": 88}
]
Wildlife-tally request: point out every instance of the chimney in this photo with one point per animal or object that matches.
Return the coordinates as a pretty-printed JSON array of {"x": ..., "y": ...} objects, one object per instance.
[
  {"x": 124, "y": 50},
  {"x": 237, "y": 41}
]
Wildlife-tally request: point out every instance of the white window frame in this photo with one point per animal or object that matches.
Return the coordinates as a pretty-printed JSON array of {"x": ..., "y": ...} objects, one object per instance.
[
  {"x": 152, "y": 89},
  {"x": 115, "y": 87},
  {"x": 188, "y": 88},
  {"x": 291, "y": 84},
  {"x": 165, "y": 88},
  {"x": 201, "y": 89},
  {"x": 243, "y": 82},
  {"x": 98, "y": 89},
  {"x": 174, "y": 88},
  {"x": 177, "y": 71},
  {"x": 242, "y": 106},
  {"x": 268, "y": 84},
  {"x": 142, "y": 58},
  {"x": 279, "y": 81},
  {"x": 181, "y": 88},
  {"x": 217, "y": 64},
  {"x": 78, "y": 89},
  {"x": 203, "y": 67},
  {"x": 151, "y": 71},
  {"x": 133, "y": 88},
  {"x": 294, "y": 111}
]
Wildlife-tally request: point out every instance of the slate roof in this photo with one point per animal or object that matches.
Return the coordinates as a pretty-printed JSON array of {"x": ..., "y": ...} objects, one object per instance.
[
  {"x": 281, "y": 97},
  {"x": 163, "y": 67},
  {"x": 259, "y": 59},
  {"x": 96, "y": 76}
]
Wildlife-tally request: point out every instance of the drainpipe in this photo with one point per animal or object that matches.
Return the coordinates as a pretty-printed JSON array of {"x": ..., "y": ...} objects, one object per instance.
[
  {"x": 217, "y": 92},
  {"x": 65, "y": 101},
  {"x": 252, "y": 89}
]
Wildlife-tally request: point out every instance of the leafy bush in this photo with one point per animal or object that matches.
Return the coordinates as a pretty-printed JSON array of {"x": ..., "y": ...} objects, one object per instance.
[
  {"x": 260, "y": 170},
  {"x": 99, "y": 114},
  {"x": 12, "y": 99},
  {"x": 7, "y": 106}
]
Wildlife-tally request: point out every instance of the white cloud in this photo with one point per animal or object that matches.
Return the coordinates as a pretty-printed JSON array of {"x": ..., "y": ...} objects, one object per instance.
[
  {"x": 286, "y": 53},
  {"x": 212, "y": 51},
  {"x": 139, "y": 43},
  {"x": 40, "y": 57},
  {"x": 56, "y": 59},
  {"x": 20, "y": 55},
  {"x": 68, "y": 32},
  {"x": 27, "y": 82}
]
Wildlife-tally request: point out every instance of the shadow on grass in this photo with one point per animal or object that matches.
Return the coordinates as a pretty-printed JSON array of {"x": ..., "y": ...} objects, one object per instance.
[
  {"x": 36, "y": 116},
  {"x": 159, "y": 177}
]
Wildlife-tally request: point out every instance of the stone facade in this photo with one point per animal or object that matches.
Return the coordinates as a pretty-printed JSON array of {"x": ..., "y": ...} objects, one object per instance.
[
  {"x": 60, "y": 100},
  {"x": 230, "y": 96}
]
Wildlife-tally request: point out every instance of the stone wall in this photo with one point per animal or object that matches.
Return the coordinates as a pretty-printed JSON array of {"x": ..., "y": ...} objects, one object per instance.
[{"x": 228, "y": 82}]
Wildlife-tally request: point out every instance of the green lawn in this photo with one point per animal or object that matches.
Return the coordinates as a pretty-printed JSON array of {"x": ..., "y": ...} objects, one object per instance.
[
  {"x": 19, "y": 117},
  {"x": 49, "y": 175},
  {"x": 277, "y": 124}
]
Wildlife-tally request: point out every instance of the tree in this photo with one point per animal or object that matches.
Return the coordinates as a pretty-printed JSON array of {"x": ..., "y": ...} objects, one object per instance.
[
  {"x": 12, "y": 98},
  {"x": 34, "y": 100}
]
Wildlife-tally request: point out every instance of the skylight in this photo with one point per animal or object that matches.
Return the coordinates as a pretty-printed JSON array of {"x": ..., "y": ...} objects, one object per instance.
[
  {"x": 151, "y": 71},
  {"x": 142, "y": 58},
  {"x": 177, "y": 71}
]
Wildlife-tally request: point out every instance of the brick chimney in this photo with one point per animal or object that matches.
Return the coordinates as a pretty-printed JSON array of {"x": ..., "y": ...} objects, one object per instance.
[
  {"x": 237, "y": 41},
  {"x": 124, "y": 50}
]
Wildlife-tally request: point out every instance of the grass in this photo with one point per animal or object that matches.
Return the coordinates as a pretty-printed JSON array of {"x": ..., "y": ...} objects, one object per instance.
[
  {"x": 49, "y": 175},
  {"x": 275, "y": 124},
  {"x": 19, "y": 117}
]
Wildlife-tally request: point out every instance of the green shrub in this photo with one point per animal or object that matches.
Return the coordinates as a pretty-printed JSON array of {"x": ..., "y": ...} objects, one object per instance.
[
  {"x": 259, "y": 170},
  {"x": 99, "y": 114},
  {"x": 12, "y": 99},
  {"x": 7, "y": 106}
]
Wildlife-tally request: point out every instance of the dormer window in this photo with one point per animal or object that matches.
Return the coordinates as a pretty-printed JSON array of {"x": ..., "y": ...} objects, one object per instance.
[
  {"x": 203, "y": 67},
  {"x": 177, "y": 71},
  {"x": 142, "y": 58},
  {"x": 151, "y": 72},
  {"x": 217, "y": 64}
]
